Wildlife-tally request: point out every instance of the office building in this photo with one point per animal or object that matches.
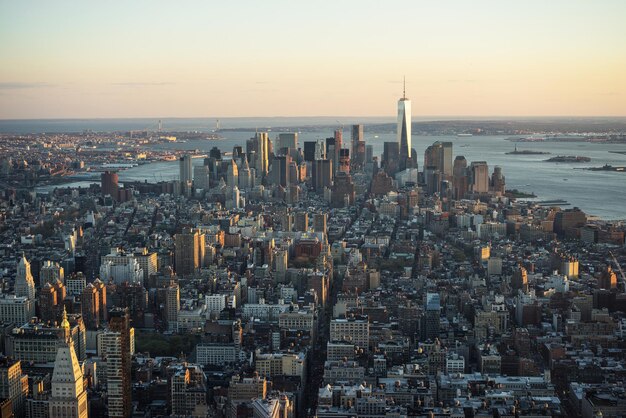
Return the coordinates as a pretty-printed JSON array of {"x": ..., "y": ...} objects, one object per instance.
[
  {"x": 51, "y": 298},
  {"x": 51, "y": 272},
  {"x": 355, "y": 330},
  {"x": 189, "y": 251},
  {"x": 188, "y": 390},
  {"x": 185, "y": 169},
  {"x": 286, "y": 141},
  {"x": 109, "y": 184},
  {"x": 172, "y": 306},
  {"x": 479, "y": 172},
  {"x": 404, "y": 128},
  {"x": 302, "y": 221},
  {"x": 24, "y": 282},
  {"x": 459, "y": 177},
  {"x": 357, "y": 136},
  {"x": 280, "y": 170},
  {"x": 116, "y": 349},
  {"x": 309, "y": 150},
  {"x": 322, "y": 174},
  {"x": 232, "y": 176},
  {"x": 16, "y": 309},
  {"x": 13, "y": 385},
  {"x": 390, "y": 158},
  {"x": 262, "y": 154},
  {"x": 337, "y": 149},
  {"x": 68, "y": 397}
]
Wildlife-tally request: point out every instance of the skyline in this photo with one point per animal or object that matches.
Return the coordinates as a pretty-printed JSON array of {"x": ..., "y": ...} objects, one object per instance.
[{"x": 154, "y": 60}]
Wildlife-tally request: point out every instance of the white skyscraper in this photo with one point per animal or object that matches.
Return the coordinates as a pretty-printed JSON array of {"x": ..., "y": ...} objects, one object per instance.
[
  {"x": 68, "y": 398},
  {"x": 24, "y": 283},
  {"x": 404, "y": 127}
]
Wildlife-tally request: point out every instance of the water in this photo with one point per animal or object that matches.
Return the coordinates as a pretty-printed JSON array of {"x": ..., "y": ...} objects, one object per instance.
[{"x": 598, "y": 193}]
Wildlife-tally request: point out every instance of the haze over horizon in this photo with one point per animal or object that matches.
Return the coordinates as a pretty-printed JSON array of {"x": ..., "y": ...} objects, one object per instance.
[{"x": 152, "y": 59}]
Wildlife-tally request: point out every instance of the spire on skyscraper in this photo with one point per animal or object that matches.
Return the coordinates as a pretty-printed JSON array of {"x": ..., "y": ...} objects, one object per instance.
[{"x": 403, "y": 87}]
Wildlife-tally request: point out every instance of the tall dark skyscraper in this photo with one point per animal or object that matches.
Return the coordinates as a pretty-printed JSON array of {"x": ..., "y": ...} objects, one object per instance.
[
  {"x": 309, "y": 150},
  {"x": 404, "y": 128},
  {"x": 119, "y": 364},
  {"x": 390, "y": 158},
  {"x": 322, "y": 174},
  {"x": 280, "y": 169},
  {"x": 338, "y": 146},
  {"x": 357, "y": 135}
]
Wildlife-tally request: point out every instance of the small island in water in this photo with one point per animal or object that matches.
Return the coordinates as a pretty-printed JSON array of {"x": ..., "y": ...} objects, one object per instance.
[
  {"x": 526, "y": 152},
  {"x": 606, "y": 167},
  {"x": 517, "y": 194},
  {"x": 568, "y": 159}
]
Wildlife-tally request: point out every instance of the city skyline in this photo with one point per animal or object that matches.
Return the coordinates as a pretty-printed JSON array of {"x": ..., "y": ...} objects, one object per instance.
[{"x": 69, "y": 60}]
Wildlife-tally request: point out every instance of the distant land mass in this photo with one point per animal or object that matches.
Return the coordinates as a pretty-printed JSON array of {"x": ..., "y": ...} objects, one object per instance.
[{"x": 615, "y": 127}]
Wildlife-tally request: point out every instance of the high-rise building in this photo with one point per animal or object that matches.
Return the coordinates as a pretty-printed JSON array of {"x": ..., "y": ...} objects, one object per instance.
[
  {"x": 201, "y": 177},
  {"x": 24, "y": 282},
  {"x": 288, "y": 140},
  {"x": 338, "y": 146},
  {"x": 343, "y": 191},
  {"x": 357, "y": 136},
  {"x": 188, "y": 390},
  {"x": 439, "y": 157},
  {"x": 344, "y": 160},
  {"x": 498, "y": 184},
  {"x": 68, "y": 397},
  {"x": 117, "y": 352},
  {"x": 302, "y": 221},
  {"x": 172, "y": 306},
  {"x": 186, "y": 175},
  {"x": 431, "y": 318},
  {"x": 51, "y": 272},
  {"x": 404, "y": 128},
  {"x": 109, "y": 184},
  {"x": 322, "y": 174},
  {"x": 13, "y": 384},
  {"x": 51, "y": 298},
  {"x": 90, "y": 306},
  {"x": 232, "y": 177},
  {"x": 479, "y": 172},
  {"x": 459, "y": 177},
  {"x": 189, "y": 251},
  {"x": 263, "y": 152},
  {"x": 280, "y": 169},
  {"x": 390, "y": 158},
  {"x": 309, "y": 150},
  {"x": 320, "y": 149},
  {"x": 319, "y": 222}
]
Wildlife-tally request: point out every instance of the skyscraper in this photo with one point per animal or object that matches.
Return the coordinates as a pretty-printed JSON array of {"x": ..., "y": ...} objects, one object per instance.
[
  {"x": 287, "y": 140},
  {"x": 109, "y": 184},
  {"x": 479, "y": 177},
  {"x": 338, "y": 146},
  {"x": 69, "y": 398},
  {"x": 263, "y": 151},
  {"x": 357, "y": 135},
  {"x": 24, "y": 282},
  {"x": 189, "y": 251},
  {"x": 186, "y": 175},
  {"x": 322, "y": 174},
  {"x": 404, "y": 128},
  {"x": 117, "y": 351}
]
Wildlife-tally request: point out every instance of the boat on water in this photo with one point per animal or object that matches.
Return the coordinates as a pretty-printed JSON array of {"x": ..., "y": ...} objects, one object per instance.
[{"x": 463, "y": 135}]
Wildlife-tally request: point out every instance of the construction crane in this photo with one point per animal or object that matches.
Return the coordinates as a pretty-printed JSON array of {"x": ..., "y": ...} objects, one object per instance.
[{"x": 621, "y": 272}]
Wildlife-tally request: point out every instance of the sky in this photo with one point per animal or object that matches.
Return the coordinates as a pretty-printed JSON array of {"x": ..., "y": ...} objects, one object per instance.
[{"x": 150, "y": 58}]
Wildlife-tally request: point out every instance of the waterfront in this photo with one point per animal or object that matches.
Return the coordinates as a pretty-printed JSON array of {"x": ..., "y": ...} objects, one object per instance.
[{"x": 599, "y": 193}]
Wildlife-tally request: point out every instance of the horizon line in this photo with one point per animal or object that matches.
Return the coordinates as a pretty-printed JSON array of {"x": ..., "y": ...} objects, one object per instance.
[{"x": 311, "y": 117}]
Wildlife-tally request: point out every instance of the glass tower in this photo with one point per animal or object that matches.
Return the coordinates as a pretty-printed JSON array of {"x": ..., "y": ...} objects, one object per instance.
[{"x": 404, "y": 127}]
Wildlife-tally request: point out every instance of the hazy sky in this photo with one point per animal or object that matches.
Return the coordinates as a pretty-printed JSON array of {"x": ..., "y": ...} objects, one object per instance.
[{"x": 72, "y": 59}]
